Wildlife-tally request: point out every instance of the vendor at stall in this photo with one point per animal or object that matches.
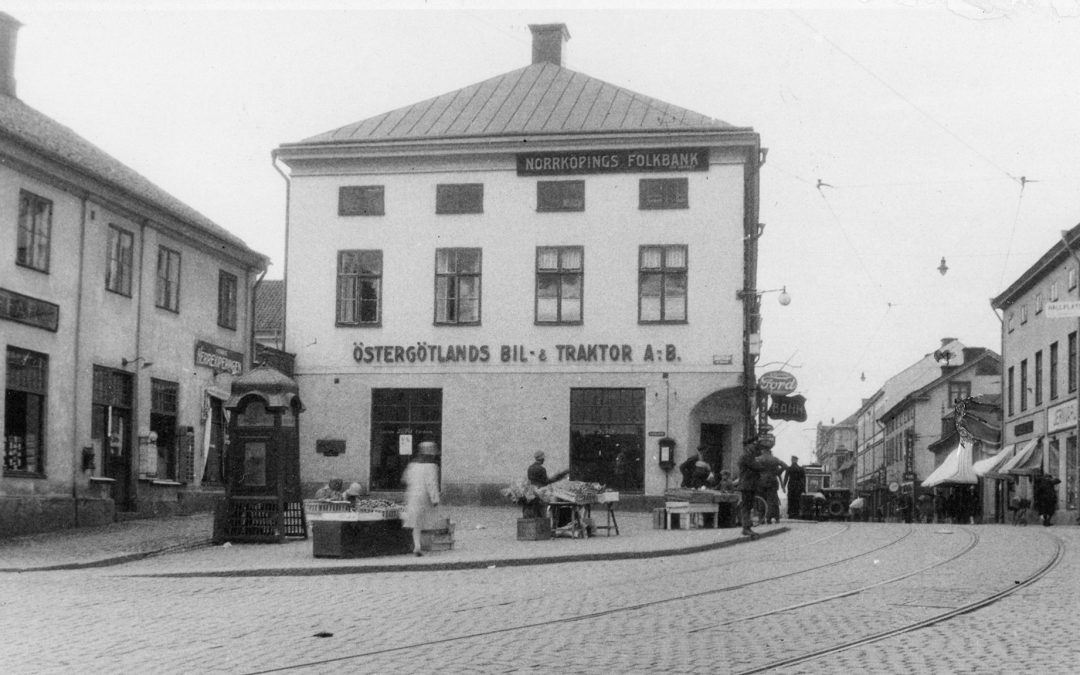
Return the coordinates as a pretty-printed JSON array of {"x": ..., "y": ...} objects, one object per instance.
[
  {"x": 331, "y": 492},
  {"x": 538, "y": 475},
  {"x": 695, "y": 472}
]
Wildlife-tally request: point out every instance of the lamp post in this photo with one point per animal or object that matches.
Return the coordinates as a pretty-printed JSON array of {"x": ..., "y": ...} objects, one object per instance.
[{"x": 751, "y": 299}]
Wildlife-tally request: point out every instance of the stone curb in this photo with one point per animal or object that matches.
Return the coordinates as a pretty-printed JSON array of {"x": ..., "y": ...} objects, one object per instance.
[{"x": 464, "y": 564}]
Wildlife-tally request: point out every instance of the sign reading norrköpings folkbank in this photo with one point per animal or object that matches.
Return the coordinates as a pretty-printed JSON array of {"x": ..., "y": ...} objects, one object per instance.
[{"x": 653, "y": 160}]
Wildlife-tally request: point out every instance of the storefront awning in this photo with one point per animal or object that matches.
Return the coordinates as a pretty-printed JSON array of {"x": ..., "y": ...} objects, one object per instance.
[
  {"x": 955, "y": 470},
  {"x": 1026, "y": 462},
  {"x": 988, "y": 467}
]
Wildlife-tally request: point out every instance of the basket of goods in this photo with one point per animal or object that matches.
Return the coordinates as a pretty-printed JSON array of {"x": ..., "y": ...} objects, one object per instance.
[
  {"x": 572, "y": 491},
  {"x": 377, "y": 509}
]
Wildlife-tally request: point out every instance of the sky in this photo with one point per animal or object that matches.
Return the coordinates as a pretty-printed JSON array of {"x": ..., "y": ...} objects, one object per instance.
[{"x": 898, "y": 132}]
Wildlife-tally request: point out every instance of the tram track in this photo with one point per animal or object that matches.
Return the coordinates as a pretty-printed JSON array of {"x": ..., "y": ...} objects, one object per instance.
[
  {"x": 590, "y": 615},
  {"x": 1052, "y": 562}
]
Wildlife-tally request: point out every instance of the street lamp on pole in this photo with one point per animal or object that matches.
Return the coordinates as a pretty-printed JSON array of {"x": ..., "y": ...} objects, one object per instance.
[{"x": 752, "y": 299}]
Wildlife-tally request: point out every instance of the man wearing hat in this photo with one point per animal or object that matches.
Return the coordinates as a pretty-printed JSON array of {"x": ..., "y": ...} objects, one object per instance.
[
  {"x": 795, "y": 481},
  {"x": 538, "y": 475}
]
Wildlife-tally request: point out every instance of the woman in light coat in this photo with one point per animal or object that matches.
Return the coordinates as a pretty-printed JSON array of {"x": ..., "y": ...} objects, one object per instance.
[{"x": 422, "y": 489}]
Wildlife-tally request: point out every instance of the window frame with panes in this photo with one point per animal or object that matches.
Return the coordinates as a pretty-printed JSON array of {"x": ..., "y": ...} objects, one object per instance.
[
  {"x": 449, "y": 278},
  {"x": 26, "y": 394},
  {"x": 557, "y": 196},
  {"x": 33, "y": 247},
  {"x": 560, "y": 273},
  {"x": 666, "y": 275},
  {"x": 361, "y": 200},
  {"x": 228, "y": 291},
  {"x": 359, "y": 273},
  {"x": 120, "y": 265},
  {"x": 167, "y": 292},
  {"x": 663, "y": 193},
  {"x": 457, "y": 198}
]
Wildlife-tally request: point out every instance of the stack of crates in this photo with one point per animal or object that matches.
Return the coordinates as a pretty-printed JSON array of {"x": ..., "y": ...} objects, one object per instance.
[{"x": 437, "y": 535}]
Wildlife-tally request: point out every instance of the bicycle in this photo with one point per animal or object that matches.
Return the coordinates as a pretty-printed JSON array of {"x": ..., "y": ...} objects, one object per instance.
[{"x": 758, "y": 511}]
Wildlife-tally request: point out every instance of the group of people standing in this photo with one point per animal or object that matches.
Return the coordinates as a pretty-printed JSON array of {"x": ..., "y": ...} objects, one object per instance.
[{"x": 760, "y": 474}]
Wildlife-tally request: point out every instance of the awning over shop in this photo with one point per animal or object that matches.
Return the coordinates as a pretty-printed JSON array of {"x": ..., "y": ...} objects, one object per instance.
[
  {"x": 955, "y": 470},
  {"x": 1027, "y": 461},
  {"x": 989, "y": 466}
]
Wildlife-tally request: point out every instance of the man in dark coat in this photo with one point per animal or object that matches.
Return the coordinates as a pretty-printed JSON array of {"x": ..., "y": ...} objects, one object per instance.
[
  {"x": 538, "y": 475},
  {"x": 749, "y": 468},
  {"x": 795, "y": 481},
  {"x": 695, "y": 472},
  {"x": 1045, "y": 494}
]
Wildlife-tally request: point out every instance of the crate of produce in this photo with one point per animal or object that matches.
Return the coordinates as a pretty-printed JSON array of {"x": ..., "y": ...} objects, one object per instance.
[
  {"x": 437, "y": 540},
  {"x": 377, "y": 509},
  {"x": 533, "y": 529}
]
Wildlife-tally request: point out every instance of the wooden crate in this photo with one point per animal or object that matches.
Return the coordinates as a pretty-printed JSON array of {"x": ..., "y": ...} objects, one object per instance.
[
  {"x": 533, "y": 529},
  {"x": 437, "y": 540}
]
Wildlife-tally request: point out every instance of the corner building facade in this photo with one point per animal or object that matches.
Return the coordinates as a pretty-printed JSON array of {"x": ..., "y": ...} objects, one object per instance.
[{"x": 540, "y": 261}]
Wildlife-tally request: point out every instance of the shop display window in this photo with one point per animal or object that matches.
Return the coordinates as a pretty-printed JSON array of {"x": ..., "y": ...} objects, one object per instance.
[
  {"x": 163, "y": 423},
  {"x": 400, "y": 419},
  {"x": 24, "y": 412},
  {"x": 607, "y": 437}
]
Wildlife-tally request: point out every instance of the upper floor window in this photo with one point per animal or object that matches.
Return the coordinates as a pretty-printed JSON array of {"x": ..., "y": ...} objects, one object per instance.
[
  {"x": 1054, "y": 290},
  {"x": 361, "y": 200},
  {"x": 1023, "y": 385},
  {"x": 118, "y": 274},
  {"x": 1009, "y": 316},
  {"x": 359, "y": 288},
  {"x": 1072, "y": 278},
  {"x": 227, "y": 300},
  {"x": 559, "y": 277},
  {"x": 35, "y": 231},
  {"x": 24, "y": 411},
  {"x": 168, "y": 279},
  {"x": 662, "y": 284},
  {"x": 459, "y": 198},
  {"x": 959, "y": 390},
  {"x": 1038, "y": 374},
  {"x": 457, "y": 286},
  {"x": 560, "y": 195},
  {"x": 1038, "y": 303},
  {"x": 1053, "y": 370},
  {"x": 1071, "y": 375},
  {"x": 663, "y": 193},
  {"x": 1023, "y": 314}
]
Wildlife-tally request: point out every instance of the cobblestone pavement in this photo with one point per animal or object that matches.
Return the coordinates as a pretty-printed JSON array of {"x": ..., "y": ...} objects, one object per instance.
[{"x": 731, "y": 606}]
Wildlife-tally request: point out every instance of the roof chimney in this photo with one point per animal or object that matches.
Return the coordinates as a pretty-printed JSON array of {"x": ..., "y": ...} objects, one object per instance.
[
  {"x": 9, "y": 32},
  {"x": 549, "y": 42}
]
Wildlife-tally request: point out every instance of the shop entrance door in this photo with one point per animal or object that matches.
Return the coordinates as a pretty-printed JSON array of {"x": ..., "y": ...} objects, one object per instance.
[
  {"x": 110, "y": 432},
  {"x": 713, "y": 439},
  {"x": 400, "y": 419}
]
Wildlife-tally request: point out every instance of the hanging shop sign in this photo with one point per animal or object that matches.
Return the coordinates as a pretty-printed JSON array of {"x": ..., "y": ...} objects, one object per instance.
[
  {"x": 30, "y": 311},
  {"x": 790, "y": 408},
  {"x": 422, "y": 352},
  {"x": 777, "y": 382},
  {"x": 218, "y": 358},
  {"x": 652, "y": 160}
]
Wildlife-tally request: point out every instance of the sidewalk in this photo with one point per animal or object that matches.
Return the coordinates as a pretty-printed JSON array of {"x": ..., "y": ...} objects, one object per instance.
[{"x": 483, "y": 537}]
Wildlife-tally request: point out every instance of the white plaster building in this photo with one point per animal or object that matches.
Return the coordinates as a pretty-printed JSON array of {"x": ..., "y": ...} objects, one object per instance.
[
  {"x": 123, "y": 315},
  {"x": 540, "y": 261}
]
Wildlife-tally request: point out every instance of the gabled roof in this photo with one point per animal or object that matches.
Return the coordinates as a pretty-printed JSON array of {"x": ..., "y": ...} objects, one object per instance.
[
  {"x": 1054, "y": 256},
  {"x": 542, "y": 98},
  {"x": 972, "y": 357},
  {"x": 48, "y": 138}
]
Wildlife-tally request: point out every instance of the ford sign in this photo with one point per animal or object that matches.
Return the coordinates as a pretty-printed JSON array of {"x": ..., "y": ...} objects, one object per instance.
[{"x": 777, "y": 382}]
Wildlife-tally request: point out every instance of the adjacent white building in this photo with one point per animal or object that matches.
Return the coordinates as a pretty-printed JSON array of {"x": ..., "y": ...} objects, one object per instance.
[{"x": 539, "y": 261}]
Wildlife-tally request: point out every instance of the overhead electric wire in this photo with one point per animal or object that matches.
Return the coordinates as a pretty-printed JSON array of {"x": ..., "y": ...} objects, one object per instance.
[
  {"x": 903, "y": 98},
  {"x": 1012, "y": 233}
]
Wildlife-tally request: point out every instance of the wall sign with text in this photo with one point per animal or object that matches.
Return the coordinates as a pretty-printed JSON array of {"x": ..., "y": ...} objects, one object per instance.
[
  {"x": 422, "y": 352},
  {"x": 653, "y": 160}
]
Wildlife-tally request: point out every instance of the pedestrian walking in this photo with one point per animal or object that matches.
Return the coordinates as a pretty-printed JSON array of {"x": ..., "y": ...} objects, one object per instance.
[
  {"x": 421, "y": 490},
  {"x": 1045, "y": 493},
  {"x": 769, "y": 484},
  {"x": 794, "y": 482}
]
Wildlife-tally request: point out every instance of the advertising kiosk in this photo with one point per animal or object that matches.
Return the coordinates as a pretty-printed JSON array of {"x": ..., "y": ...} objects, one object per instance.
[{"x": 262, "y": 492}]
